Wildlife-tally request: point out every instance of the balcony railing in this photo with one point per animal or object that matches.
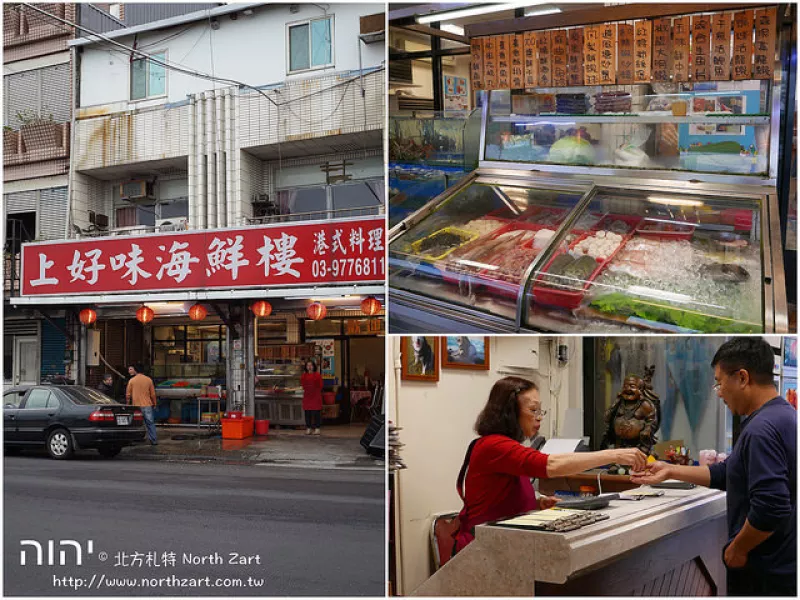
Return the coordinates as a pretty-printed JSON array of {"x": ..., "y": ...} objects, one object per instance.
[
  {"x": 35, "y": 143},
  {"x": 23, "y": 25},
  {"x": 319, "y": 215},
  {"x": 11, "y": 274}
]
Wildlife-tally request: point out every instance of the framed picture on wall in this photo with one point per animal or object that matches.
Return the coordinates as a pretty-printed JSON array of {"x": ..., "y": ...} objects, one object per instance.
[
  {"x": 465, "y": 352},
  {"x": 419, "y": 355}
]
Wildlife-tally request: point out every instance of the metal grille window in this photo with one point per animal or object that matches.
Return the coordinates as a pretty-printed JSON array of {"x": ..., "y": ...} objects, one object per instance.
[
  {"x": 148, "y": 79},
  {"x": 311, "y": 44},
  {"x": 44, "y": 92}
]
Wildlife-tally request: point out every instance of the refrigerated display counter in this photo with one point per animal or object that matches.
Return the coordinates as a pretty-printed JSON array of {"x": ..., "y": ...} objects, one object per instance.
[{"x": 565, "y": 228}]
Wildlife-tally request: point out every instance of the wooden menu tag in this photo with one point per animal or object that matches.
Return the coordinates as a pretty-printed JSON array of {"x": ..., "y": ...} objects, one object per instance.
[
  {"x": 558, "y": 51},
  {"x": 721, "y": 47},
  {"x": 701, "y": 47},
  {"x": 680, "y": 49},
  {"x": 764, "y": 56},
  {"x": 531, "y": 63},
  {"x": 575, "y": 57},
  {"x": 662, "y": 40},
  {"x": 545, "y": 59},
  {"x": 625, "y": 54},
  {"x": 490, "y": 63},
  {"x": 476, "y": 51},
  {"x": 591, "y": 55},
  {"x": 517, "y": 62},
  {"x": 608, "y": 53},
  {"x": 503, "y": 62},
  {"x": 742, "y": 63},
  {"x": 643, "y": 52}
]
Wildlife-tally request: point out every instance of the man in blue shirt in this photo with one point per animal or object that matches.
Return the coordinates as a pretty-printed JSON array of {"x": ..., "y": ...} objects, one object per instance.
[{"x": 760, "y": 475}]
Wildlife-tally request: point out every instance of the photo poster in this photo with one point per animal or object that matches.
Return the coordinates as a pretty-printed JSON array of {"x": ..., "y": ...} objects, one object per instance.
[
  {"x": 790, "y": 352},
  {"x": 456, "y": 93},
  {"x": 789, "y": 390},
  {"x": 705, "y": 101},
  {"x": 327, "y": 353}
]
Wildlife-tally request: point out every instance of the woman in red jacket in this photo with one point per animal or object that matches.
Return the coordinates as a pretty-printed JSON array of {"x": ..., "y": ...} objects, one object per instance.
[
  {"x": 499, "y": 468},
  {"x": 311, "y": 381}
]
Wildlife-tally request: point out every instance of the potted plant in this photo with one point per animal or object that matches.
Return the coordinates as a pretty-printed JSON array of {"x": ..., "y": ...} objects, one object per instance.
[{"x": 38, "y": 130}]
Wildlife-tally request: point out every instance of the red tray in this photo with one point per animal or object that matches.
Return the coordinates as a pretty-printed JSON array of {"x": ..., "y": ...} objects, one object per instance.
[
  {"x": 476, "y": 276},
  {"x": 501, "y": 286},
  {"x": 681, "y": 232},
  {"x": 571, "y": 299},
  {"x": 537, "y": 212}
]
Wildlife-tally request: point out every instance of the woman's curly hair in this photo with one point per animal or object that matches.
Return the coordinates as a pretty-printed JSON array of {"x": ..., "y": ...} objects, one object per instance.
[{"x": 501, "y": 413}]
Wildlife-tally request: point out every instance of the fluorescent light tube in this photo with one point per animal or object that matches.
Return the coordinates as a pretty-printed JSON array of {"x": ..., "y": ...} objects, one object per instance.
[
  {"x": 542, "y": 12},
  {"x": 674, "y": 201},
  {"x": 472, "y": 12},
  {"x": 449, "y": 27}
]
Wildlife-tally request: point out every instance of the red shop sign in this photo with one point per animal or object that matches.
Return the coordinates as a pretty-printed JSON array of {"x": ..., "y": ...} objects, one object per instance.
[{"x": 272, "y": 255}]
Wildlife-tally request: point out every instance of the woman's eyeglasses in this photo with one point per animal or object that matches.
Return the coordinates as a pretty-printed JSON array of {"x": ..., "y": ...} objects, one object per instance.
[{"x": 539, "y": 413}]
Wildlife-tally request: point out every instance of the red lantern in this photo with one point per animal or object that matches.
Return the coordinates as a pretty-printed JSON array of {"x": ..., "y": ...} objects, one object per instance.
[
  {"x": 261, "y": 308},
  {"x": 87, "y": 316},
  {"x": 145, "y": 314},
  {"x": 370, "y": 306},
  {"x": 316, "y": 311},
  {"x": 197, "y": 312}
]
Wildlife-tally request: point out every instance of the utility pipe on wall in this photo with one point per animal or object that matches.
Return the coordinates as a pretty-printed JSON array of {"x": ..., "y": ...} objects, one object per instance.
[
  {"x": 211, "y": 180},
  {"x": 200, "y": 176},
  {"x": 219, "y": 160},
  {"x": 230, "y": 175},
  {"x": 193, "y": 216}
]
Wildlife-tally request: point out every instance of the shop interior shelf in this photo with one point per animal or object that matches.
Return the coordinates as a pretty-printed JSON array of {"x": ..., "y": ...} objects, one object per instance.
[{"x": 660, "y": 117}]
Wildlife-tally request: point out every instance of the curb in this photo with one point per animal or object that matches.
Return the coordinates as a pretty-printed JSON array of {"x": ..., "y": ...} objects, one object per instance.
[{"x": 318, "y": 465}]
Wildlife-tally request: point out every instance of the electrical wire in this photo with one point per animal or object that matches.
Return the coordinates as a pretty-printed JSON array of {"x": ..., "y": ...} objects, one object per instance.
[{"x": 173, "y": 66}]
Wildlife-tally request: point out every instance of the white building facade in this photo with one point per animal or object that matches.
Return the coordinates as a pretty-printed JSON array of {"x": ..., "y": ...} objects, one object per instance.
[{"x": 160, "y": 147}]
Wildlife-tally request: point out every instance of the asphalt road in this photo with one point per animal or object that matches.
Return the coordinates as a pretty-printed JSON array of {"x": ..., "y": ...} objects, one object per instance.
[{"x": 315, "y": 532}]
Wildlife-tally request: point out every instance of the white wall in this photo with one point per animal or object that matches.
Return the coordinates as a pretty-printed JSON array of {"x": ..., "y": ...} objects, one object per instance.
[
  {"x": 437, "y": 421},
  {"x": 250, "y": 49}
]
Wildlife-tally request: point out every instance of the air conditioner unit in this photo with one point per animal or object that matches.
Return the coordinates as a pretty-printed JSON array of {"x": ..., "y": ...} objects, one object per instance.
[
  {"x": 136, "y": 190},
  {"x": 173, "y": 224}
]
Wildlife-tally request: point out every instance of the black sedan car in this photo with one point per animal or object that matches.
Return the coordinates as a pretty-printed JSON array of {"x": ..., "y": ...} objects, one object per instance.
[{"x": 67, "y": 418}]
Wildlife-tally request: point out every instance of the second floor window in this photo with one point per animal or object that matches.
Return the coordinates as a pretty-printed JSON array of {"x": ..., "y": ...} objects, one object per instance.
[
  {"x": 148, "y": 78},
  {"x": 311, "y": 44}
]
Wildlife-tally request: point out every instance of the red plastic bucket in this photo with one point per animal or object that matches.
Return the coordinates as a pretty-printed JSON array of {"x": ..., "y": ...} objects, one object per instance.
[
  {"x": 328, "y": 398},
  {"x": 262, "y": 427}
]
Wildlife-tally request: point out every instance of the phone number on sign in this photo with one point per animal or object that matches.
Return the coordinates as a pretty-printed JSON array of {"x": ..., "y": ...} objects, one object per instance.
[{"x": 348, "y": 267}]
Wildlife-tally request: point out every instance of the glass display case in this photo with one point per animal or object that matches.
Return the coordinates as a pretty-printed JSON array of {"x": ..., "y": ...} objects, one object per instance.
[
  {"x": 278, "y": 392},
  {"x": 508, "y": 250},
  {"x": 717, "y": 127}
]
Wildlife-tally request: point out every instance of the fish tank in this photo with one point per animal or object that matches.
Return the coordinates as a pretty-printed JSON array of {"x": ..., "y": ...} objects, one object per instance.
[{"x": 435, "y": 139}]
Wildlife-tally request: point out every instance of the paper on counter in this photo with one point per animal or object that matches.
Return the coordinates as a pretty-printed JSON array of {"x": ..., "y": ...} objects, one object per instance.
[{"x": 560, "y": 446}]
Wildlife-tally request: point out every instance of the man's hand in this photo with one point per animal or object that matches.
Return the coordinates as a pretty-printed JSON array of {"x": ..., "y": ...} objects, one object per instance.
[
  {"x": 653, "y": 473},
  {"x": 546, "y": 502},
  {"x": 734, "y": 558}
]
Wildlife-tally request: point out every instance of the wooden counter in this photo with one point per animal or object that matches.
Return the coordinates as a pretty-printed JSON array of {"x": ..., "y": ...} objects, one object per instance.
[{"x": 665, "y": 546}]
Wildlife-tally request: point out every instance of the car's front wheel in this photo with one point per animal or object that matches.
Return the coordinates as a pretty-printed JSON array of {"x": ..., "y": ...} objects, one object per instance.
[
  {"x": 59, "y": 444},
  {"x": 109, "y": 451}
]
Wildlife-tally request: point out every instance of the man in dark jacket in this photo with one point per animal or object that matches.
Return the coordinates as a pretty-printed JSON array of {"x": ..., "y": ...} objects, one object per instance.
[
  {"x": 760, "y": 475},
  {"x": 107, "y": 386}
]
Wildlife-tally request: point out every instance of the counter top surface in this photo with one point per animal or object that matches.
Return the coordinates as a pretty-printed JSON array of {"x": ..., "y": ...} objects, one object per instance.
[{"x": 631, "y": 524}]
